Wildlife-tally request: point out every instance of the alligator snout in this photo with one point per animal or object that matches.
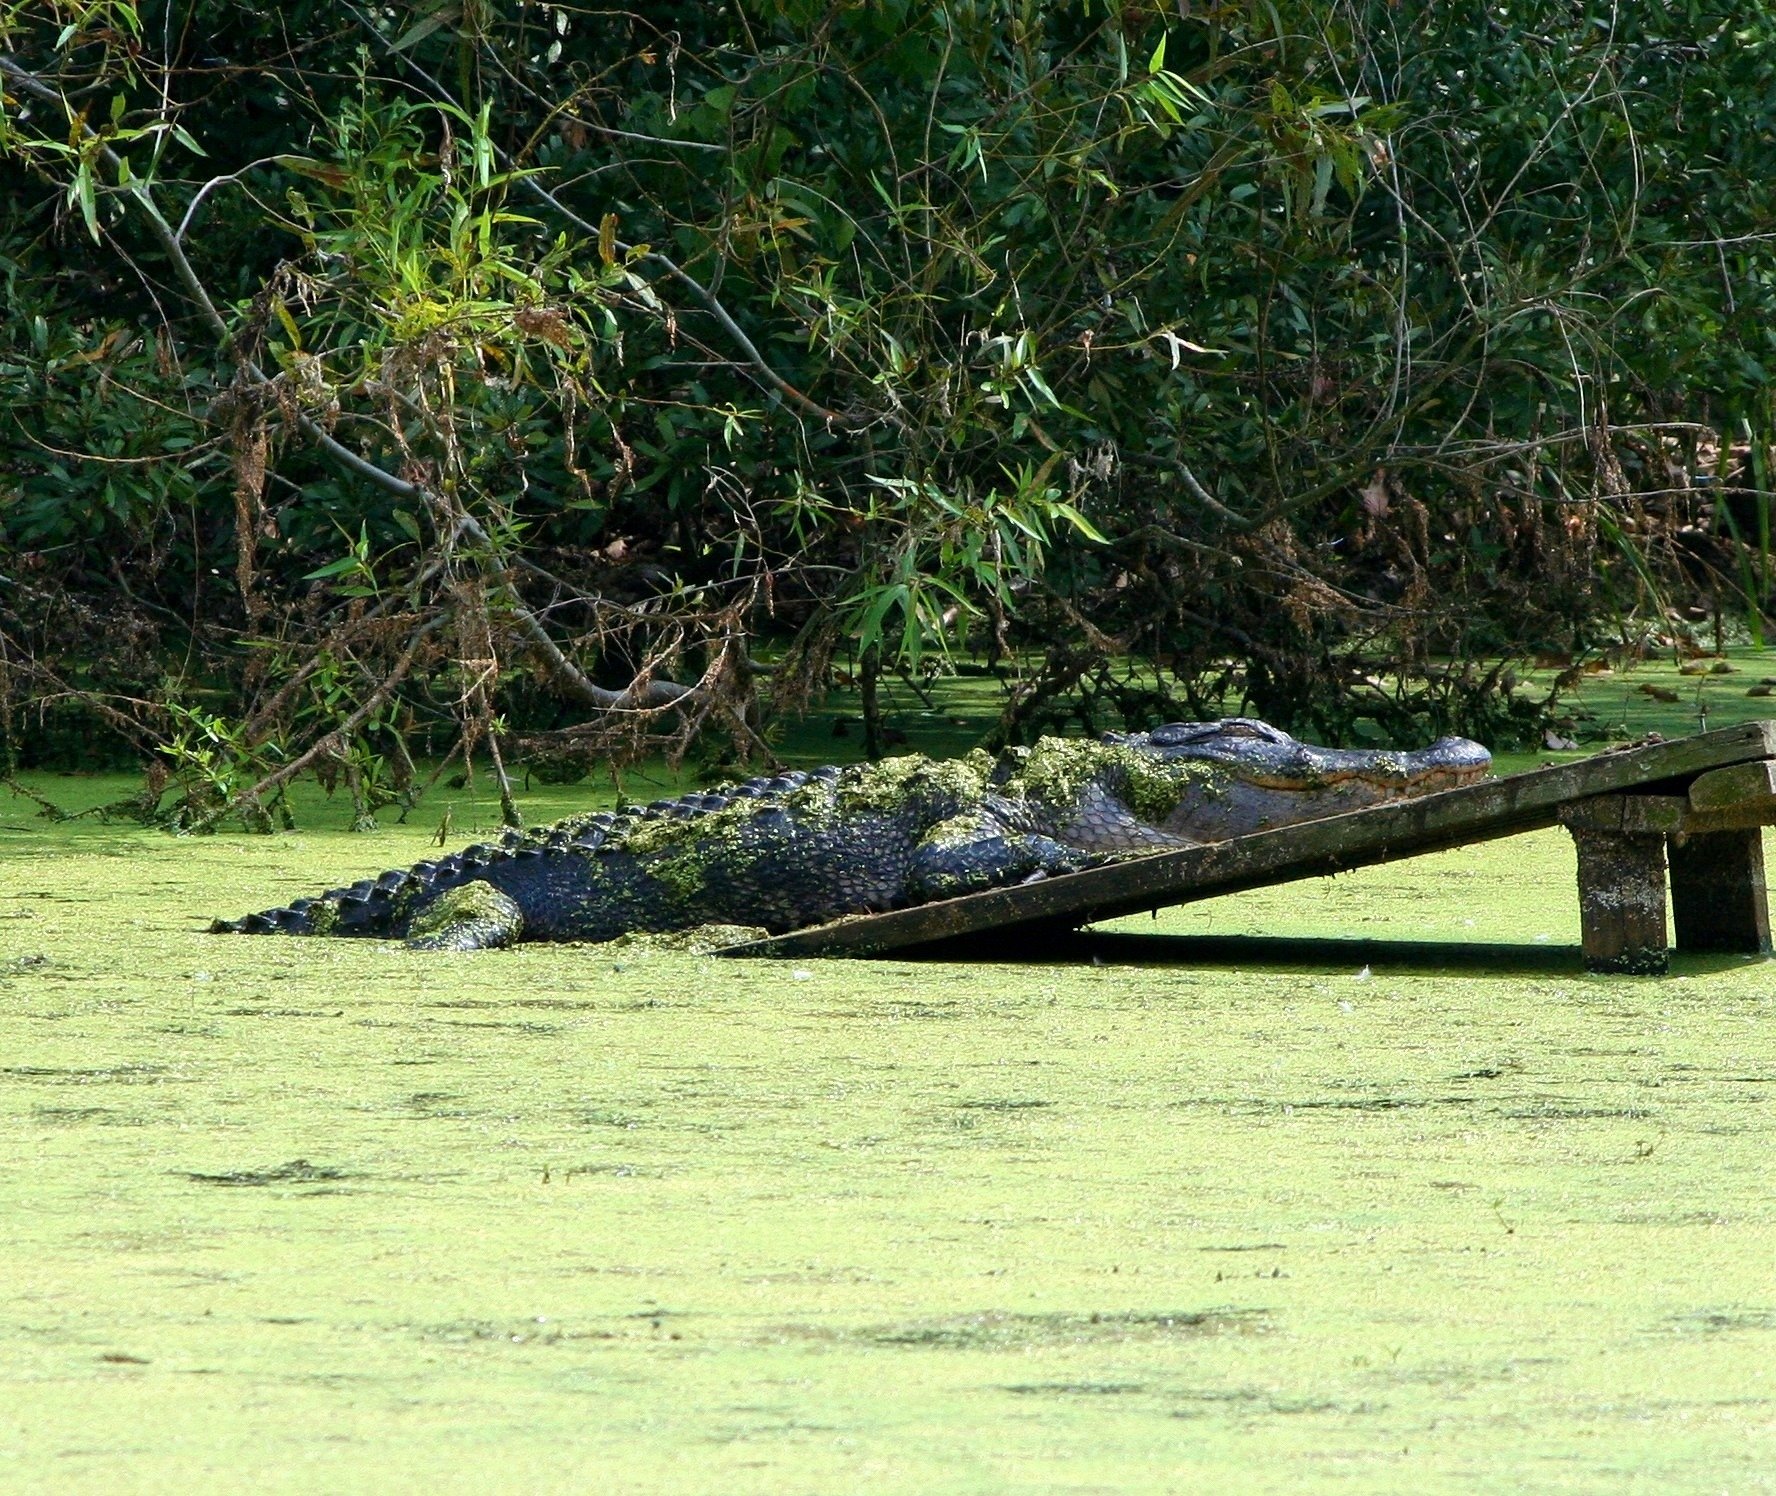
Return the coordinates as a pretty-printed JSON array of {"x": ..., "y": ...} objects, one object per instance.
[{"x": 1270, "y": 779}]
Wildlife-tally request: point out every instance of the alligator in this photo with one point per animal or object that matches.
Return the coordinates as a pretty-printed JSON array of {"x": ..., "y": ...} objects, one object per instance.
[{"x": 789, "y": 850}]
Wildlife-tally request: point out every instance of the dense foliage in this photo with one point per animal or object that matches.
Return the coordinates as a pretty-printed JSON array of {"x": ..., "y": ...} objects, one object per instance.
[{"x": 478, "y": 367}]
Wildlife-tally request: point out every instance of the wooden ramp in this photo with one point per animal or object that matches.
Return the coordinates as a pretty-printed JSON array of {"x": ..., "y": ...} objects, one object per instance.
[{"x": 1702, "y": 799}]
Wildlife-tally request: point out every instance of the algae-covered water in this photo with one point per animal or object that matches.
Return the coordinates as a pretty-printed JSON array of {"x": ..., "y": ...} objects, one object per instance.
[{"x": 1356, "y": 1216}]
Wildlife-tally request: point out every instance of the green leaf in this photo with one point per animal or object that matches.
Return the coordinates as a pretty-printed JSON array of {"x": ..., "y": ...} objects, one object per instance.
[
  {"x": 332, "y": 569},
  {"x": 291, "y": 330},
  {"x": 1080, "y": 523},
  {"x": 444, "y": 15},
  {"x": 81, "y": 190}
]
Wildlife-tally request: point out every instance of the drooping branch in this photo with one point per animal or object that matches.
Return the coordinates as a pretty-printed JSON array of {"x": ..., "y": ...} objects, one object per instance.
[{"x": 332, "y": 743}]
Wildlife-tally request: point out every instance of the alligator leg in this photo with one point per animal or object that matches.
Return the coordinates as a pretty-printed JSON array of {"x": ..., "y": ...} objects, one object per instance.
[
  {"x": 474, "y": 917},
  {"x": 975, "y": 851}
]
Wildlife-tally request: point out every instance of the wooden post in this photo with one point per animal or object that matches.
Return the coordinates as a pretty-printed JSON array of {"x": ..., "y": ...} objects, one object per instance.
[
  {"x": 1622, "y": 901},
  {"x": 1717, "y": 892}
]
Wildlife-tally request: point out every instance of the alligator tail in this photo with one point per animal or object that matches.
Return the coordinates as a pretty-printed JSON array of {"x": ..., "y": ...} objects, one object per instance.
[
  {"x": 382, "y": 908},
  {"x": 374, "y": 907}
]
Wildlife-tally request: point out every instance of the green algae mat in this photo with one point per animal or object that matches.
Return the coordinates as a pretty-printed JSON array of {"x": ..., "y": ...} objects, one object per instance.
[{"x": 1399, "y": 1202}]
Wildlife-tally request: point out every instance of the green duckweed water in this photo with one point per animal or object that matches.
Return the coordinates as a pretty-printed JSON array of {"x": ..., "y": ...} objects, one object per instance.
[{"x": 328, "y": 1215}]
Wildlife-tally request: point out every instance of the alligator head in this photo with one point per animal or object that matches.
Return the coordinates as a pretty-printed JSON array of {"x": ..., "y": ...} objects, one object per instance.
[{"x": 1249, "y": 776}]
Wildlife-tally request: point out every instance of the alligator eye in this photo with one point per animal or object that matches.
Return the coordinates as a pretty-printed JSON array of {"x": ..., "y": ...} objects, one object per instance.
[
  {"x": 1251, "y": 727},
  {"x": 1184, "y": 734},
  {"x": 1177, "y": 734}
]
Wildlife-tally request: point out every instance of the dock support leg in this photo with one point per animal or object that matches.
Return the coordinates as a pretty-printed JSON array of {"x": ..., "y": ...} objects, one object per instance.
[
  {"x": 1717, "y": 892},
  {"x": 1622, "y": 901}
]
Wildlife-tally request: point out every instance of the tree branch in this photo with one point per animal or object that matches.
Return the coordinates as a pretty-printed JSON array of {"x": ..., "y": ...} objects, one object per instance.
[{"x": 654, "y": 695}]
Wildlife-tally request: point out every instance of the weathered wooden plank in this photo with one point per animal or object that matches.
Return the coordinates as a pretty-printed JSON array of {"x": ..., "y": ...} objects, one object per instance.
[
  {"x": 1735, "y": 787},
  {"x": 1730, "y": 818},
  {"x": 1665, "y": 815},
  {"x": 1718, "y": 901},
  {"x": 1477, "y": 812},
  {"x": 1648, "y": 815}
]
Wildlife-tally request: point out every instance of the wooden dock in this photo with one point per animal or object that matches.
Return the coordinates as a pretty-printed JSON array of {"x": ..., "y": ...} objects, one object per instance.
[{"x": 1692, "y": 807}]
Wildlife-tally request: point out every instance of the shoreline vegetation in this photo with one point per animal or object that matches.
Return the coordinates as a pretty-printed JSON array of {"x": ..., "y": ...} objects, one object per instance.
[{"x": 491, "y": 380}]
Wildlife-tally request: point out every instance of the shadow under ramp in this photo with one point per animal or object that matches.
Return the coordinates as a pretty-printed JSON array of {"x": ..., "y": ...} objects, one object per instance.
[{"x": 1327, "y": 954}]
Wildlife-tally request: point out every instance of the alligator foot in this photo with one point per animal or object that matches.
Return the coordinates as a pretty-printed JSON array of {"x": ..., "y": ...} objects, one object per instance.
[
  {"x": 972, "y": 852},
  {"x": 475, "y": 917}
]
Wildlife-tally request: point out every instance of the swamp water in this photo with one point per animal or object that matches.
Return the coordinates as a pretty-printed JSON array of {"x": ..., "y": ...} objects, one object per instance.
[{"x": 330, "y": 1215}]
